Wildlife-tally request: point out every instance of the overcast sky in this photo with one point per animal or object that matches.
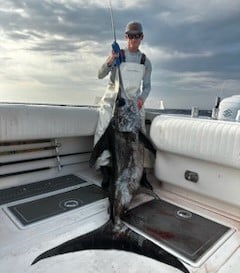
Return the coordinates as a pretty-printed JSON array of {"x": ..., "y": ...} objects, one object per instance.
[{"x": 50, "y": 50}]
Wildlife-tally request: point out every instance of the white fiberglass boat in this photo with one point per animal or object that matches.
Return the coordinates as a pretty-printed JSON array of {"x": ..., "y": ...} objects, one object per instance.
[{"x": 49, "y": 196}]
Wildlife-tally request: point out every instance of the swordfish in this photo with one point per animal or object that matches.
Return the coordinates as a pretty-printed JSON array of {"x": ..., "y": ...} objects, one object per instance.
[{"x": 125, "y": 141}]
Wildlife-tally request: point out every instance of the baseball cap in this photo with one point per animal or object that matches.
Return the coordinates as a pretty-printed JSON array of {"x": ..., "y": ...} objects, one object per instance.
[{"x": 133, "y": 28}]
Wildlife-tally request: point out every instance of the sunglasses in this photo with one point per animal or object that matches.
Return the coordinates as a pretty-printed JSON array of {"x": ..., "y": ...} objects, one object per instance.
[{"x": 134, "y": 36}]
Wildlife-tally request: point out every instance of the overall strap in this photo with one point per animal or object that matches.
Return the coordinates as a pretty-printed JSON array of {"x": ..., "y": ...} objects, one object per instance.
[
  {"x": 143, "y": 59},
  {"x": 123, "y": 57}
]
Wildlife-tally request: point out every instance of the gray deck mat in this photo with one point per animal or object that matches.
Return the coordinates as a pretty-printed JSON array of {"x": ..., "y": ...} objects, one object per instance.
[
  {"x": 33, "y": 211},
  {"x": 185, "y": 232},
  {"x": 29, "y": 190}
]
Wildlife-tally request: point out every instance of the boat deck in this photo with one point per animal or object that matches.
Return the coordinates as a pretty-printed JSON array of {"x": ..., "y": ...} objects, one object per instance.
[
  {"x": 44, "y": 154},
  {"x": 21, "y": 243}
]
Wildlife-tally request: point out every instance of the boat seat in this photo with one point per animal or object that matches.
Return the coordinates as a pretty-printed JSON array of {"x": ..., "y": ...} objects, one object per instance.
[
  {"x": 211, "y": 140},
  {"x": 206, "y": 148},
  {"x": 21, "y": 121}
]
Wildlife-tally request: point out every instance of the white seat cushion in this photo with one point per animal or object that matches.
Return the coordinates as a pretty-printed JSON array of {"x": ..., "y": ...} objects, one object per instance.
[
  {"x": 19, "y": 122},
  {"x": 212, "y": 140}
]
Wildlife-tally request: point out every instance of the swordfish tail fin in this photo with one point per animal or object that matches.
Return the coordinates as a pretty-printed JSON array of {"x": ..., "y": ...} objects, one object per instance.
[{"x": 105, "y": 238}]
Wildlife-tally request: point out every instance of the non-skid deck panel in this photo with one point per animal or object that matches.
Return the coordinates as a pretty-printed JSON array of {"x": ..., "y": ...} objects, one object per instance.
[
  {"x": 187, "y": 233},
  {"x": 33, "y": 211},
  {"x": 29, "y": 190}
]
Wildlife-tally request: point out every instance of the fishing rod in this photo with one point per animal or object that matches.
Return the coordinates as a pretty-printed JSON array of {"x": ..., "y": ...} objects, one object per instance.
[
  {"x": 117, "y": 62},
  {"x": 117, "y": 50},
  {"x": 115, "y": 45},
  {"x": 112, "y": 21}
]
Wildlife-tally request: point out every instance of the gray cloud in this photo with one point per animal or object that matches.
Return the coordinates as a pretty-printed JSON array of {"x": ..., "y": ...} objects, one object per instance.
[{"x": 188, "y": 39}]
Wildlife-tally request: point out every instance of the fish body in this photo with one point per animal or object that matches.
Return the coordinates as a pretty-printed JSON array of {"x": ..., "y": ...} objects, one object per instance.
[
  {"x": 129, "y": 157},
  {"x": 125, "y": 141}
]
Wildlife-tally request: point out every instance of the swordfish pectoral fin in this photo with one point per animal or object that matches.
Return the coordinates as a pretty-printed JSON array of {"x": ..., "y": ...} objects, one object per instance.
[
  {"x": 146, "y": 142},
  {"x": 100, "y": 146}
]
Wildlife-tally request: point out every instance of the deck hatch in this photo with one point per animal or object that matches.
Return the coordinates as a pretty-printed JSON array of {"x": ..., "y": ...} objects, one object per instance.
[
  {"x": 166, "y": 223},
  {"x": 37, "y": 210},
  {"x": 37, "y": 188}
]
